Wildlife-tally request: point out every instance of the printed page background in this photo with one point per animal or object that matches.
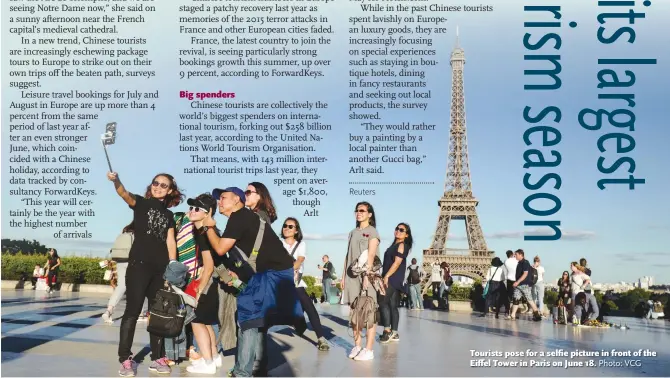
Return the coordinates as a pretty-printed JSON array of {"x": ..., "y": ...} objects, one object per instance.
[{"x": 621, "y": 232}]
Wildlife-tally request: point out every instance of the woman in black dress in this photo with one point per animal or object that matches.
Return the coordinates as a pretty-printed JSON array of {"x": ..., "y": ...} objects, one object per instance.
[
  {"x": 207, "y": 296},
  {"x": 394, "y": 267}
]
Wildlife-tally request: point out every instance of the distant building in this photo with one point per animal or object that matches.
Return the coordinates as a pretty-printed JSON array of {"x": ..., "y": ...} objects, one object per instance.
[
  {"x": 645, "y": 282},
  {"x": 620, "y": 287}
]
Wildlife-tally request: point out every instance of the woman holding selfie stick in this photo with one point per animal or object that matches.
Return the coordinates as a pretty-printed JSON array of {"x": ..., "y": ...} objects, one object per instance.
[{"x": 153, "y": 248}]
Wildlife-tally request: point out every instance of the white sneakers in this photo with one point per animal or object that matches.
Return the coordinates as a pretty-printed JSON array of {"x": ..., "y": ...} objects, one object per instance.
[
  {"x": 361, "y": 354},
  {"x": 218, "y": 361},
  {"x": 365, "y": 355},
  {"x": 203, "y": 367},
  {"x": 200, "y": 366}
]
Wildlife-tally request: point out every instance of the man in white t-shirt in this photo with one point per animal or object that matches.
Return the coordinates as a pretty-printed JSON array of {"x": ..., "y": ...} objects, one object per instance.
[
  {"x": 538, "y": 288},
  {"x": 510, "y": 275}
]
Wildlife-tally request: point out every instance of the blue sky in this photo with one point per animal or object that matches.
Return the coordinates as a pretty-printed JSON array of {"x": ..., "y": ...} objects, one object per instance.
[{"x": 620, "y": 232}]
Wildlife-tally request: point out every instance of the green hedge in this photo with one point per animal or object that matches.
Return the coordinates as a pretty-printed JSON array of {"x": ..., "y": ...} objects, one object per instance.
[{"x": 82, "y": 270}]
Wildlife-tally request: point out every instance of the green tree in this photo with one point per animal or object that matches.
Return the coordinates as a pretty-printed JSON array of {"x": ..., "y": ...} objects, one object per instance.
[
  {"x": 550, "y": 298},
  {"x": 24, "y": 246},
  {"x": 632, "y": 298},
  {"x": 310, "y": 281},
  {"x": 610, "y": 305}
]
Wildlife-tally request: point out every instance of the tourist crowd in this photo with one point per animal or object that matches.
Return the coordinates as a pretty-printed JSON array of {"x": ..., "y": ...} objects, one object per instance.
[{"x": 239, "y": 281}]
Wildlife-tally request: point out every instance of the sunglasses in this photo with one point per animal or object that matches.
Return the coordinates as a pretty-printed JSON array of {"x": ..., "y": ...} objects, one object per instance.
[
  {"x": 360, "y": 211},
  {"x": 249, "y": 192},
  {"x": 196, "y": 209},
  {"x": 289, "y": 226},
  {"x": 161, "y": 184},
  {"x": 400, "y": 229}
]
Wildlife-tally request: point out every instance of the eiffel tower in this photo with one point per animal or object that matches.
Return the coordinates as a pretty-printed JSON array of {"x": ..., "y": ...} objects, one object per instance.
[{"x": 458, "y": 202}]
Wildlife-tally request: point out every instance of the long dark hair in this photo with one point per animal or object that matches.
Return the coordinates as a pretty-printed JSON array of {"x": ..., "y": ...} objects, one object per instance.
[
  {"x": 55, "y": 255},
  {"x": 129, "y": 228},
  {"x": 373, "y": 220},
  {"x": 565, "y": 272},
  {"x": 298, "y": 230},
  {"x": 409, "y": 240},
  {"x": 173, "y": 198},
  {"x": 266, "y": 203},
  {"x": 447, "y": 271}
]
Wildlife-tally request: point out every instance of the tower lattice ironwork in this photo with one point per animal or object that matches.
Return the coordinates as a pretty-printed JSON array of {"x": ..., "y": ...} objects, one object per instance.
[{"x": 458, "y": 201}]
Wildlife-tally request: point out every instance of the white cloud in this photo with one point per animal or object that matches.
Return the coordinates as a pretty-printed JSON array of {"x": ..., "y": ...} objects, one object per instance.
[
  {"x": 566, "y": 234},
  {"x": 325, "y": 236}
]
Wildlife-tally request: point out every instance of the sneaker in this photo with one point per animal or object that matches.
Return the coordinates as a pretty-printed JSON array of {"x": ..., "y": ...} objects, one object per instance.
[
  {"x": 259, "y": 373},
  {"x": 355, "y": 351},
  {"x": 107, "y": 317},
  {"x": 160, "y": 366},
  {"x": 322, "y": 344},
  {"x": 365, "y": 355},
  {"x": 537, "y": 317},
  {"x": 218, "y": 361},
  {"x": 128, "y": 368},
  {"x": 394, "y": 336},
  {"x": 385, "y": 337},
  {"x": 202, "y": 368}
]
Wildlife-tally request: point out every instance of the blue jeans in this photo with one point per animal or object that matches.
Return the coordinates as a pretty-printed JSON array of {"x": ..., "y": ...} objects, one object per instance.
[
  {"x": 444, "y": 288},
  {"x": 326, "y": 289},
  {"x": 415, "y": 296},
  {"x": 247, "y": 347}
]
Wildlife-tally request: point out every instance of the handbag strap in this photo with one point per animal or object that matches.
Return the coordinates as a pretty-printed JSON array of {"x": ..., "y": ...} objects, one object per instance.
[
  {"x": 257, "y": 244},
  {"x": 198, "y": 263},
  {"x": 259, "y": 238},
  {"x": 295, "y": 247},
  {"x": 493, "y": 275}
]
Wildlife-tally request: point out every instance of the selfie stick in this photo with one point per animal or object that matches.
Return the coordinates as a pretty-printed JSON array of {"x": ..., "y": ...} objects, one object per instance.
[{"x": 108, "y": 138}]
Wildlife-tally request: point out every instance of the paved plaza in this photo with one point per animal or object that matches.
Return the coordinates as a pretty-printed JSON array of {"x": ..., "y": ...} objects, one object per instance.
[{"x": 62, "y": 335}]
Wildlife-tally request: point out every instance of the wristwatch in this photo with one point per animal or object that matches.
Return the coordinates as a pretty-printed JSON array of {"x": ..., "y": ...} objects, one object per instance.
[{"x": 204, "y": 229}]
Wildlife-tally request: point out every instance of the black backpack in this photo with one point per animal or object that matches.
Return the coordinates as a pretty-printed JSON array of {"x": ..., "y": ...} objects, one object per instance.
[
  {"x": 167, "y": 314},
  {"x": 532, "y": 272},
  {"x": 414, "y": 276}
]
